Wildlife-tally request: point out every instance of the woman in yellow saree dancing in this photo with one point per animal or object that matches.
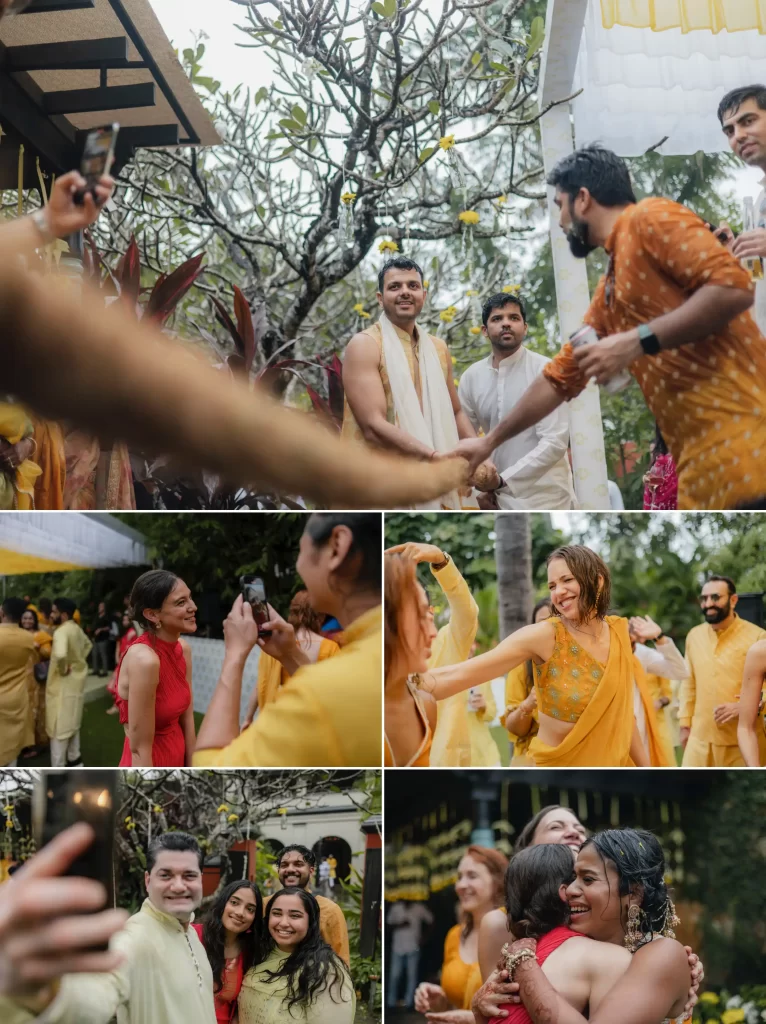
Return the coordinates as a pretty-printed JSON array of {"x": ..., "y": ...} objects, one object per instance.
[{"x": 584, "y": 670}]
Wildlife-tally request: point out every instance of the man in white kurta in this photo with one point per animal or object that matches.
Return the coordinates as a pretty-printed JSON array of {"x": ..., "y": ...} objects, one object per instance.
[
  {"x": 533, "y": 466},
  {"x": 165, "y": 977},
  {"x": 742, "y": 114},
  {"x": 65, "y": 690}
]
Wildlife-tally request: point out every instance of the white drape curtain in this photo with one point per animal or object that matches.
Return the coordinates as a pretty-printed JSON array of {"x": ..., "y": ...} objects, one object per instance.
[{"x": 640, "y": 85}]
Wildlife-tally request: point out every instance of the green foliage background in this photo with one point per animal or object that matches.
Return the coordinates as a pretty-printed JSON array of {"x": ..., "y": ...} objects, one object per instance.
[
  {"x": 657, "y": 562},
  {"x": 209, "y": 552}
]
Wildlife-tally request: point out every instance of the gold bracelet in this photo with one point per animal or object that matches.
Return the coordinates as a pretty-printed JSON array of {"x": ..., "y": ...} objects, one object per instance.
[{"x": 512, "y": 960}]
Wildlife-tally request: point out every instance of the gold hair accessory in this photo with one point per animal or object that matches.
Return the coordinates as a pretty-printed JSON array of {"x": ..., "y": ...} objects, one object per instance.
[
  {"x": 672, "y": 920},
  {"x": 633, "y": 933}
]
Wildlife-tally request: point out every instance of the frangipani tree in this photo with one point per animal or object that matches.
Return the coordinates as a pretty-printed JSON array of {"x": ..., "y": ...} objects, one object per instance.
[{"x": 391, "y": 126}]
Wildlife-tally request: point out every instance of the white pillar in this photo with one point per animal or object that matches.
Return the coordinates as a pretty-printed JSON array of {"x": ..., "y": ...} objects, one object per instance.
[
  {"x": 563, "y": 29},
  {"x": 586, "y": 435}
]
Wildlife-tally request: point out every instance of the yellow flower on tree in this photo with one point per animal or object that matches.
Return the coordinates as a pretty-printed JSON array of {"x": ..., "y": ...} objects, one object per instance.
[
  {"x": 233, "y": 817},
  {"x": 502, "y": 199},
  {"x": 448, "y": 315},
  {"x": 476, "y": 330},
  {"x": 426, "y": 283},
  {"x": 734, "y": 1016},
  {"x": 359, "y": 308},
  {"x": 348, "y": 198},
  {"x": 157, "y": 809},
  {"x": 471, "y": 292},
  {"x": 709, "y": 997},
  {"x": 447, "y": 142},
  {"x": 468, "y": 217},
  {"x": 511, "y": 289},
  {"x": 387, "y": 245},
  {"x": 222, "y": 809}
]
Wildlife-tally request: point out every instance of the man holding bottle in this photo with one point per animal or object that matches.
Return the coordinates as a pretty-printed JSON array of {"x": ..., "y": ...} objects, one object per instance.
[{"x": 673, "y": 307}]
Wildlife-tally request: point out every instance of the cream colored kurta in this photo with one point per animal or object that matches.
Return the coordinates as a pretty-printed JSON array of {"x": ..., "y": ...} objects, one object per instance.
[
  {"x": 66, "y": 681},
  {"x": 165, "y": 978},
  {"x": 17, "y": 655},
  {"x": 451, "y": 747},
  {"x": 261, "y": 999}
]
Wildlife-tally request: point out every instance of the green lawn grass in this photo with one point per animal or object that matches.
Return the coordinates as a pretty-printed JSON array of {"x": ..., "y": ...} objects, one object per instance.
[{"x": 101, "y": 737}]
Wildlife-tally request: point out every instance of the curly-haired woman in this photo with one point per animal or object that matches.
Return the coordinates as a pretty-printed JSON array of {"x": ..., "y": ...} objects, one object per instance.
[{"x": 300, "y": 978}]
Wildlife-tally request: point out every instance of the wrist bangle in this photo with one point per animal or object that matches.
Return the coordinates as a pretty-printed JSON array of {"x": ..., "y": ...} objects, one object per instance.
[
  {"x": 512, "y": 960},
  {"x": 41, "y": 221},
  {"x": 438, "y": 566}
]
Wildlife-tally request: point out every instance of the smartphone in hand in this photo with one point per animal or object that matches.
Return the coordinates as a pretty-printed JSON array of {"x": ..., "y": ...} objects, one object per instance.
[
  {"x": 63, "y": 797},
  {"x": 97, "y": 159},
  {"x": 254, "y": 592}
]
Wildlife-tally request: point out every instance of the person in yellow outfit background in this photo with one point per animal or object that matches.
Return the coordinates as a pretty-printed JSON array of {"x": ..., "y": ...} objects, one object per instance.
[
  {"x": 64, "y": 696},
  {"x": 330, "y": 713},
  {"x": 520, "y": 715},
  {"x": 295, "y": 865},
  {"x": 452, "y": 741},
  {"x": 17, "y": 656},
  {"x": 709, "y": 699},
  {"x": 18, "y": 471},
  {"x": 272, "y": 674}
]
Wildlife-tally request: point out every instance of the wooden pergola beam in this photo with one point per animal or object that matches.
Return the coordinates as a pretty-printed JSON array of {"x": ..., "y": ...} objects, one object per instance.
[
  {"x": 81, "y": 55},
  {"x": 85, "y": 101},
  {"x": 44, "y": 6}
]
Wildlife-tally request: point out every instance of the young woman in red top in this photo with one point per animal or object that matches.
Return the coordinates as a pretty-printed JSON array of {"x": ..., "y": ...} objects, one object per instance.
[
  {"x": 232, "y": 936},
  {"x": 154, "y": 692}
]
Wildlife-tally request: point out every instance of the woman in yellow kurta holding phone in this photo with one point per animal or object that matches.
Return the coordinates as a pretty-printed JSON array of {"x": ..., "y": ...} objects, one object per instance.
[{"x": 584, "y": 665}]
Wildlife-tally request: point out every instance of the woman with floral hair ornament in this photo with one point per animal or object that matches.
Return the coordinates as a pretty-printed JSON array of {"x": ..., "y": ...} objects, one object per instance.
[{"x": 618, "y": 896}]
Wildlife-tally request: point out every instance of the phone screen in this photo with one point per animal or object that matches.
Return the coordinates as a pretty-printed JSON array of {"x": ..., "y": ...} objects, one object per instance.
[
  {"x": 64, "y": 797},
  {"x": 97, "y": 157},
  {"x": 254, "y": 592}
]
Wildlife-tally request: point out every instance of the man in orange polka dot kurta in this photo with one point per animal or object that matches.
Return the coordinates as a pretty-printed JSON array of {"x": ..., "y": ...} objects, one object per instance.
[{"x": 674, "y": 307}]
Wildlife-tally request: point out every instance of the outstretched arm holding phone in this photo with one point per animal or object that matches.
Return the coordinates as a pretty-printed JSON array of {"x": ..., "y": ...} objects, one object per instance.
[
  {"x": 49, "y": 925},
  {"x": 221, "y": 723}
]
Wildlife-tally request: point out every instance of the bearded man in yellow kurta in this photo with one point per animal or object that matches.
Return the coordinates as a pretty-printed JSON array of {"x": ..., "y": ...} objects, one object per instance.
[
  {"x": 709, "y": 699},
  {"x": 64, "y": 696},
  {"x": 674, "y": 308},
  {"x": 399, "y": 383}
]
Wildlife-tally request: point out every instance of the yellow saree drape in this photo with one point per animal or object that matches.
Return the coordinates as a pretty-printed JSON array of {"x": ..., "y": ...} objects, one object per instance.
[
  {"x": 658, "y": 756},
  {"x": 51, "y": 458},
  {"x": 602, "y": 734},
  {"x": 688, "y": 15},
  {"x": 17, "y": 490}
]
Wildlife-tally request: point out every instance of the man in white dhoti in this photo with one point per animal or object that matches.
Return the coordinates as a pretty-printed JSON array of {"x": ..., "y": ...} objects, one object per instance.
[
  {"x": 533, "y": 465},
  {"x": 399, "y": 382}
]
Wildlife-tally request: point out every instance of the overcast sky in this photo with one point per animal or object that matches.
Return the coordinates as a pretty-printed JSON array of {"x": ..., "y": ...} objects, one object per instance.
[{"x": 231, "y": 64}]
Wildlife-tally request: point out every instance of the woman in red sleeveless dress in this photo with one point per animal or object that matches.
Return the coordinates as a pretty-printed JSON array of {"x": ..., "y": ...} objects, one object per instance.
[
  {"x": 232, "y": 934},
  {"x": 153, "y": 680}
]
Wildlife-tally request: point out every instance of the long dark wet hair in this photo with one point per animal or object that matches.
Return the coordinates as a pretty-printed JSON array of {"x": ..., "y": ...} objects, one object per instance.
[
  {"x": 214, "y": 935},
  {"x": 313, "y": 965}
]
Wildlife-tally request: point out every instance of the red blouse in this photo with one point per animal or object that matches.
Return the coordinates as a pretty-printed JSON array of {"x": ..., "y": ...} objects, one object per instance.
[
  {"x": 226, "y": 999},
  {"x": 172, "y": 699},
  {"x": 546, "y": 944}
]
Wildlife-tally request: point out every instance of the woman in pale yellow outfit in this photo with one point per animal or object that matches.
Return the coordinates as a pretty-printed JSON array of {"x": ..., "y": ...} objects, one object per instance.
[
  {"x": 36, "y": 687},
  {"x": 460, "y": 736},
  {"x": 301, "y": 978},
  {"x": 585, "y": 670},
  {"x": 18, "y": 471},
  {"x": 479, "y": 889},
  {"x": 272, "y": 675},
  {"x": 520, "y": 717},
  {"x": 410, "y": 716}
]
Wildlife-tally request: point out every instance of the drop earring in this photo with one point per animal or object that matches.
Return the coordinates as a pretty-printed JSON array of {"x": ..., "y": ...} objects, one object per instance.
[{"x": 633, "y": 935}]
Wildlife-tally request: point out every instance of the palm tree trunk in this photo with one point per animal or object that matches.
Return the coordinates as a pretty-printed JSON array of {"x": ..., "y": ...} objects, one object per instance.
[{"x": 513, "y": 555}]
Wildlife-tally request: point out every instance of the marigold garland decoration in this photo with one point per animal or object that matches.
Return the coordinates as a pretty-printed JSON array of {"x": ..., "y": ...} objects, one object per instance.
[
  {"x": 468, "y": 217},
  {"x": 387, "y": 245}
]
